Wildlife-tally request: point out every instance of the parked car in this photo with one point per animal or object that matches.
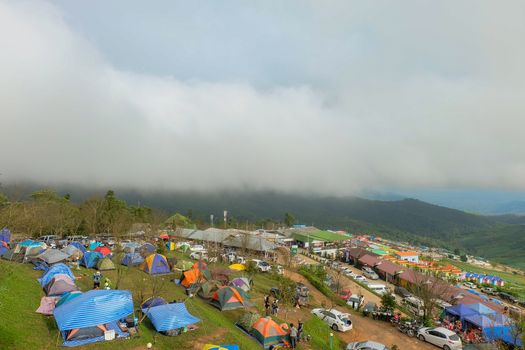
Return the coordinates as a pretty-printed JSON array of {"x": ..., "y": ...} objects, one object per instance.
[
  {"x": 402, "y": 292},
  {"x": 380, "y": 289},
  {"x": 360, "y": 278},
  {"x": 197, "y": 248},
  {"x": 371, "y": 274},
  {"x": 70, "y": 239},
  {"x": 240, "y": 260},
  {"x": 366, "y": 345},
  {"x": 488, "y": 290},
  {"x": 470, "y": 285},
  {"x": 50, "y": 240},
  {"x": 442, "y": 337},
  {"x": 414, "y": 305},
  {"x": 355, "y": 301},
  {"x": 262, "y": 265},
  {"x": 369, "y": 308},
  {"x": 507, "y": 297},
  {"x": 202, "y": 255},
  {"x": 349, "y": 273},
  {"x": 345, "y": 294},
  {"x": 229, "y": 257},
  {"x": 337, "y": 320}
]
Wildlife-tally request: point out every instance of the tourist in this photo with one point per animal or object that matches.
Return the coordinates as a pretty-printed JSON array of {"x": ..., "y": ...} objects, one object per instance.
[
  {"x": 293, "y": 335},
  {"x": 97, "y": 276}
]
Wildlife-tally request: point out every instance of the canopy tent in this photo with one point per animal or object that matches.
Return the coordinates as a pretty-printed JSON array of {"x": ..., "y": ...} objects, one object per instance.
[
  {"x": 55, "y": 270},
  {"x": 242, "y": 283},
  {"x": 47, "y": 305},
  {"x": 268, "y": 332},
  {"x": 237, "y": 267},
  {"x": 230, "y": 298},
  {"x": 90, "y": 259},
  {"x": 221, "y": 347},
  {"x": 5, "y": 235},
  {"x": 132, "y": 259},
  {"x": 52, "y": 256},
  {"x": 59, "y": 285},
  {"x": 155, "y": 264},
  {"x": 103, "y": 250},
  {"x": 460, "y": 310},
  {"x": 79, "y": 246},
  {"x": 93, "y": 309},
  {"x": 152, "y": 302},
  {"x": 105, "y": 264},
  {"x": 67, "y": 297},
  {"x": 171, "y": 316},
  {"x": 94, "y": 245},
  {"x": 482, "y": 309}
]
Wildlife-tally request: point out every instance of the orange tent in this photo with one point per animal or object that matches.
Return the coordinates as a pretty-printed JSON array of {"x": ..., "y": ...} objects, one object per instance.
[
  {"x": 268, "y": 332},
  {"x": 190, "y": 277}
]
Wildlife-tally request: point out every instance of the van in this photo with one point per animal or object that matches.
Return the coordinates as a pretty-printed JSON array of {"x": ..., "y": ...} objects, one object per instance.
[
  {"x": 414, "y": 305},
  {"x": 380, "y": 289}
]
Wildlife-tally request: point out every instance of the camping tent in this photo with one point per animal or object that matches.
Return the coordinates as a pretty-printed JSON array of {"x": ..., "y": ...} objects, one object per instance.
[
  {"x": 92, "y": 309},
  {"x": 221, "y": 347},
  {"x": 190, "y": 277},
  {"x": 105, "y": 264},
  {"x": 130, "y": 247},
  {"x": 152, "y": 302},
  {"x": 94, "y": 245},
  {"x": 72, "y": 251},
  {"x": 155, "y": 264},
  {"x": 230, "y": 298},
  {"x": 79, "y": 246},
  {"x": 5, "y": 235},
  {"x": 237, "y": 267},
  {"x": 242, "y": 283},
  {"x": 131, "y": 259},
  {"x": 12, "y": 255},
  {"x": 184, "y": 265},
  {"x": 170, "y": 245},
  {"x": 90, "y": 259},
  {"x": 171, "y": 316},
  {"x": 164, "y": 236},
  {"x": 35, "y": 249},
  {"x": 147, "y": 249},
  {"x": 67, "y": 297},
  {"x": 59, "y": 285},
  {"x": 55, "y": 270},
  {"x": 103, "y": 250},
  {"x": 47, "y": 305},
  {"x": 208, "y": 288},
  {"x": 268, "y": 332},
  {"x": 52, "y": 256},
  {"x": 3, "y": 247}
]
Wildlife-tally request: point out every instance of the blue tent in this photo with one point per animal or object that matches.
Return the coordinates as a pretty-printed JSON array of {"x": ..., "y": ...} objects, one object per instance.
[
  {"x": 130, "y": 246},
  {"x": 94, "y": 245},
  {"x": 460, "y": 310},
  {"x": 91, "y": 309},
  {"x": 5, "y": 235},
  {"x": 3, "y": 249},
  {"x": 503, "y": 333},
  {"x": 152, "y": 302},
  {"x": 148, "y": 248},
  {"x": 67, "y": 297},
  {"x": 482, "y": 309},
  {"x": 171, "y": 316},
  {"x": 26, "y": 243},
  {"x": 55, "y": 270},
  {"x": 90, "y": 259},
  {"x": 78, "y": 246},
  {"x": 131, "y": 259}
]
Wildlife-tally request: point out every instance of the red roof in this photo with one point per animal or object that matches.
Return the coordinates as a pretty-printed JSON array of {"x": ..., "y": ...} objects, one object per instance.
[
  {"x": 369, "y": 260},
  {"x": 389, "y": 267}
]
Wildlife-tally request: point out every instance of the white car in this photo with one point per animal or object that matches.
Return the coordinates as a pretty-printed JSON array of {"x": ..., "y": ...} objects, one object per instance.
[
  {"x": 441, "y": 337},
  {"x": 197, "y": 248},
  {"x": 262, "y": 265},
  {"x": 360, "y": 278},
  {"x": 470, "y": 285},
  {"x": 349, "y": 273},
  {"x": 337, "y": 320},
  {"x": 202, "y": 255},
  {"x": 366, "y": 345}
]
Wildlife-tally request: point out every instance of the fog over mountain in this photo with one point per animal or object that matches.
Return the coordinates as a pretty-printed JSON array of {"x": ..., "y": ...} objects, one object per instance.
[{"x": 299, "y": 97}]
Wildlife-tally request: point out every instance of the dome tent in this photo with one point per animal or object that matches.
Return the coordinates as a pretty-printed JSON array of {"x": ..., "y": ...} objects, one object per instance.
[{"x": 155, "y": 264}]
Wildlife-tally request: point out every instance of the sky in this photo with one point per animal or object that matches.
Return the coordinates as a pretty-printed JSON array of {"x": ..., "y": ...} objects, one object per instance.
[{"x": 330, "y": 97}]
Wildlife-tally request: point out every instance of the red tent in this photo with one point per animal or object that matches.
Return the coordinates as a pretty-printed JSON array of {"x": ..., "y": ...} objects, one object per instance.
[
  {"x": 164, "y": 236},
  {"x": 103, "y": 250}
]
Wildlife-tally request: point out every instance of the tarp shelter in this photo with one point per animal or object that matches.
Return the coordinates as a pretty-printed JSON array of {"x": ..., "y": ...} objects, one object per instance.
[
  {"x": 171, "y": 316},
  {"x": 221, "y": 347},
  {"x": 52, "y": 256},
  {"x": 237, "y": 267},
  {"x": 59, "y": 285},
  {"x": 208, "y": 288},
  {"x": 152, "y": 302},
  {"x": 5, "y": 235},
  {"x": 90, "y": 259},
  {"x": 190, "y": 277},
  {"x": 241, "y": 282},
  {"x": 47, "y": 305},
  {"x": 94, "y": 245},
  {"x": 67, "y": 297},
  {"x": 105, "y": 264},
  {"x": 79, "y": 246},
  {"x": 55, "y": 270},
  {"x": 132, "y": 259},
  {"x": 230, "y": 298},
  {"x": 504, "y": 333},
  {"x": 268, "y": 332},
  {"x": 103, "y": 250},
  {"x": 73, "y": 252},
  {"x": 460, "y": 311},
  {"x": 93, "y": 309},
  {"x": 25, "y": 243},
  {"x": 155, "y": 264}
]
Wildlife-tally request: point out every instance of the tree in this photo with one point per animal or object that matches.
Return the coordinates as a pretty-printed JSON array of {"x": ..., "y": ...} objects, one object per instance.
[
  {"x": 388, "y": 302},
  {"x": 463, "y": 258},
  {"x": 429, "y": 290},
  {"x": 289, "y": 219},
  {"x": 457, "y": 252}
]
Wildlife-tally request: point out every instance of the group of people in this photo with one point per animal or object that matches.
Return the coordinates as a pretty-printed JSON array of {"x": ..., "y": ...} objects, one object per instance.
[
  {"x": 271, "y": 307},
  {"x": 296, "y": 333},
  {"x": 97, "y": 279}
]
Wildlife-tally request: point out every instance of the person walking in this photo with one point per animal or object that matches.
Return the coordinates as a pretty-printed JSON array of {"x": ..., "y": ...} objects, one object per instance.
[
  {"x": 293, "y": 336},
  {"x": 97, "y": 276}
]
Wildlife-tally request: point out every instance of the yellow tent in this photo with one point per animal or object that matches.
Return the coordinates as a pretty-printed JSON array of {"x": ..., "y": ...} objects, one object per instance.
[
  {"x": 237, "y": 267},
  {"x": 220, "y": 347}
]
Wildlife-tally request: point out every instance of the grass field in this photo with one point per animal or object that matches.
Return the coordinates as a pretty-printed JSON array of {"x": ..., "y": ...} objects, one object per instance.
[{"x": 22, "y": 328}]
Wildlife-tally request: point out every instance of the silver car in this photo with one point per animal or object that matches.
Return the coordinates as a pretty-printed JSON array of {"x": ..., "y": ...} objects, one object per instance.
[
  {"x": 442, "y": 337},
  {"x": 366, "y": 345}
]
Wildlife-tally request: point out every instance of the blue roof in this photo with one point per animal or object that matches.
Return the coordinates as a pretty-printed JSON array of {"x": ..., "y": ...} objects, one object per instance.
[
  {"x": 482, "y": 309},
  {"x": 171, "y": 316},
  {"x": 55, "y": 270},
  {"x": 460, "y": 310},
  {"x": 93, "y": 308}
]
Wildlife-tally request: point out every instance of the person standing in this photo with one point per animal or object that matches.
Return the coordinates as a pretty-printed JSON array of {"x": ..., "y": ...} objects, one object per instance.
[
  {"x": 97, "y": 276},
  {"x": 267, "y": 305},
  {"x": 300, "y": 327},
  {"x": 293, "y": 336},
  {"x": 275, "y": 307}
]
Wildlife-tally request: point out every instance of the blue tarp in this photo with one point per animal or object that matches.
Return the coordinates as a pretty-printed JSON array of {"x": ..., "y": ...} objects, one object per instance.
[
  {"x": 40, "y": 265},
  {"x": 482, "y": 309},
  {"x": 152, "y": 302},
  {"x": 90, "y": 259},
  {"x": 55, "y": 270},
  {"x": 504, "y": 333},
  {"x": 5, "y": 235},
  {"x": 78, "y": 246},
  {"x": 171, "y": 316},
  {"x": 460, "y": 310},
  {"x": 93, "y": 308},
  {"x": 111, "y": 325},
  {"x": 148, "y": 247},
  {"x": 131, "y": 259}
]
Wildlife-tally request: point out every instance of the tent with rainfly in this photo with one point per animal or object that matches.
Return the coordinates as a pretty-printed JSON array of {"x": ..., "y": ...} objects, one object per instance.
[
  {"x": 105, "y": 264},
  {"x": 171, "y": 316},
  {"x": 52, "y": 256},
  {"x": 53, "y": 271},
  {"x": 268, "y": 332},
  {"x": 90, "y": 259},
  {"x": 79, "y": 246},
  {"x": 230, "y": 298},
  {"x": 94, "y": 245},
  {"x": 155, "y": 264},
  {"x": 242, "y": 283},
  {"x": 5, "y": 235},
  {"x": 105, "y": 251},
  {"x": 132, "y": 259},
  {"x": 84, "y": 319},
  {"x": 3, "y": 247},
  {"x": 59, "y": 285},
  {"x": 147, "y": 249},
  {"x": 207, "y": 289}
]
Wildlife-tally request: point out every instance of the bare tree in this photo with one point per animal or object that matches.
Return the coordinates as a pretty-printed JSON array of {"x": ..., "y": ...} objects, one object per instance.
[{"x": 429, "y": 290}]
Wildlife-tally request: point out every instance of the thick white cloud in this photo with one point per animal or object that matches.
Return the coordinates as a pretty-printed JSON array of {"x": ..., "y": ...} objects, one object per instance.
[{"x": 418, "y": 96}]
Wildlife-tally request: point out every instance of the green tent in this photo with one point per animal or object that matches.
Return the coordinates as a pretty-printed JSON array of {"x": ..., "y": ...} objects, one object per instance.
[
  {"x": 208, "y": 288},
  {"x": 105, "y": 264},
  {"x": 184, "y": 265}
]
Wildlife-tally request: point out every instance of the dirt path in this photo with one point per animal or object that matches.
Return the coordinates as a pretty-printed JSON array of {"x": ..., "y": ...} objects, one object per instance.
[{"x": 364, "y": 328}]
